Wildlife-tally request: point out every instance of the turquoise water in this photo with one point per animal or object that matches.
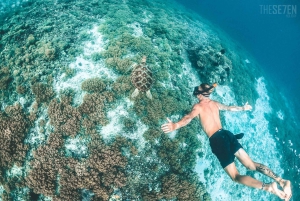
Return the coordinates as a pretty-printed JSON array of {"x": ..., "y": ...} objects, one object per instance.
[{"x": 71, "y": 131}]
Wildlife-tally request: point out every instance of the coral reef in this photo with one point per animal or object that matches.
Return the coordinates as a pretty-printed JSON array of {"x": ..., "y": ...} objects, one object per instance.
[
  {"x": 42, "y": 92},
  {"x": 212, "y": 64},
  {"x": 47, "y": 51},
  {"x": 174, "y": 187},
  {"x": 14, "y": 125},
  {"x": 129, "y": 124},
  {"x": 152, "y": 134},
  {"x": 54, "y": 175},
  {"x": 48, "y": 162},
  {"x": 4, "y": 78},
  {"x": 93, "y": 106},
  {"x": 122, "y": 86},
  {"x": 93, "y": 85},
  {"x": 64, "y": 117},
  {"x": 120, "y": 65},
  {"x": 35, "y": 44}
]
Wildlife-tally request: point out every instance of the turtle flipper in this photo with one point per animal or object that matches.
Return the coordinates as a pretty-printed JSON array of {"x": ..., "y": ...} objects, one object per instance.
[
  {"x": 135, "y": 93},
  {"x": 148, "y": 94},
  {"x": 131, "y": 67}
]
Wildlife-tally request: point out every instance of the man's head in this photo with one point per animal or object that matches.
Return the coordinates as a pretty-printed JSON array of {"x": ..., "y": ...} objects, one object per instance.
[{"x": 204, "y": 89}]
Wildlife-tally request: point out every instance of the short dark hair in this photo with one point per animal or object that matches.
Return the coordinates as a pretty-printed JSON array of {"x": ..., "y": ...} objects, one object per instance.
[{"x": 204, "y": 89}]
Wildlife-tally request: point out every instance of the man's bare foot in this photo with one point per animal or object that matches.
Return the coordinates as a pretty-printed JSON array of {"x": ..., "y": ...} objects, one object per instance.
[
  {"x": 286, "y": 186},
  {"x": 272, "y": 188}
]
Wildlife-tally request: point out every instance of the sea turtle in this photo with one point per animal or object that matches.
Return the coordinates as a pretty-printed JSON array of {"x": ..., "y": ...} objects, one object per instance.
[{"x": 141, "y": 78}]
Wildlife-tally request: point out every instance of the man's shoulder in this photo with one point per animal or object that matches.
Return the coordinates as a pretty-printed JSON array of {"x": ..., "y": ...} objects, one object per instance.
[
  {"x": 215, "y": 102},
  {"x": 197, "y": 106}
]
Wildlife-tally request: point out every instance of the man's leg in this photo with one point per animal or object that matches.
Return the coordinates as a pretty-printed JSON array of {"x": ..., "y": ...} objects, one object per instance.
[
  {"x": 251, "y": 182},
  {"x": 244, "y": 158},
  {"x": 285, "y": 184}
]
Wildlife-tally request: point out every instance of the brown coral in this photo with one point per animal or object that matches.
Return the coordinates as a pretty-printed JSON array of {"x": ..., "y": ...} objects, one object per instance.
[
  {"x": 93, "y": 106},
  {"x": 121, "y": 65},
  {"x": 4, "y": 78},
  {"x": 174, "y": 187},
  {"x": 47, "y": 163},
  {"x": 64, "y": 117},
  {"x": 122, "y": 85},
  {"x": 20, "y": 89},
  {"x": 42, "y": 92},
  {"x": 99, "y": 173},
  {"x": 13, "y": 128},
  {"x": 93, "y": 85},
  {"x": 48, "y": 51}
]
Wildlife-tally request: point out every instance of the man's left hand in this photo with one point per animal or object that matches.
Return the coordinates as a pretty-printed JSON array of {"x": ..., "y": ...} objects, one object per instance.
[{"x": 247, "y": 107}]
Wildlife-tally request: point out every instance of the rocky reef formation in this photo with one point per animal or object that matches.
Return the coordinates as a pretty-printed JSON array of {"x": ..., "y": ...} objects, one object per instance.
[{"x": 212, "y": 64}]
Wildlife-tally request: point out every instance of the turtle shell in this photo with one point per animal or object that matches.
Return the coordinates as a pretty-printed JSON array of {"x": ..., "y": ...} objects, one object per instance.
[{"x": 141, "y": 77}]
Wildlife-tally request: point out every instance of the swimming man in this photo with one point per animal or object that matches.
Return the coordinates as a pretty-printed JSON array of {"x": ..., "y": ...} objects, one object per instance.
[{"x": 225, "y": 145}]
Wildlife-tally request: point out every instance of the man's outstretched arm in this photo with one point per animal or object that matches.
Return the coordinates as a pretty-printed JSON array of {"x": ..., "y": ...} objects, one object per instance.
[
  {"x": 170, "y": 126},
  {"x": 234, "y": 108}
]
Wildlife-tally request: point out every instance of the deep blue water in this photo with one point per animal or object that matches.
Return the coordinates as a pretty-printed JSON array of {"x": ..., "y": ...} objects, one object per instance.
[{"x": 272, "y": 39}]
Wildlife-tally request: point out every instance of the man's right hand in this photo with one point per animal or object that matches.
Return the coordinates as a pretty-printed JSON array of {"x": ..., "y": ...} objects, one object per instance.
[{"x": 168, "y": 127}]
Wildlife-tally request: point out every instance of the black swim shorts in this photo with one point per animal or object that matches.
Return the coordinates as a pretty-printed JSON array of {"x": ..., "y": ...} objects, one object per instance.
[{"x": 224, "y": 145}]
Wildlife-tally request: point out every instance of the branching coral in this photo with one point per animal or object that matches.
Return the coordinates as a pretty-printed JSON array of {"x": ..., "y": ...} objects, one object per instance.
[
  {"x": 48, "y": 51},
  {"x": 20, "y": 89},
  {"x": 99, "y": 173},
  {"x": 54, "y": 175},
  {"x": 47, "y": 163},
  {"x": 164, "y": 104},
  {"x": 129, "y": 125},
  {"x": 171, "y": 154},
  {"x": 152, "y": 134},
  {"x": 14, "y": 126},
  {"x": 122, "y": 85},
  {"x": 73, "y": 178},
  {"x": 93, "y": 85},
  {"x": 43, "y": 93},
  {"x": 177, "y": 187},
  {"x": 121, "y": 65},
  {"x": 4, "y": 78},
  {"x": 64, "y": 117},
  {"x": 93, "y": 106},
  {"x": 174, "y": 187},
  {"x": 103, "y": 158},
  {"x": 30, "y": 40},
  {"x": 61, "y": 178}
]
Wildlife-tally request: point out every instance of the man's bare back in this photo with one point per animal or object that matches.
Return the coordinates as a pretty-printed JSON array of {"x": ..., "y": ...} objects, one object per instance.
[{"x": 209, "y": 116}]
